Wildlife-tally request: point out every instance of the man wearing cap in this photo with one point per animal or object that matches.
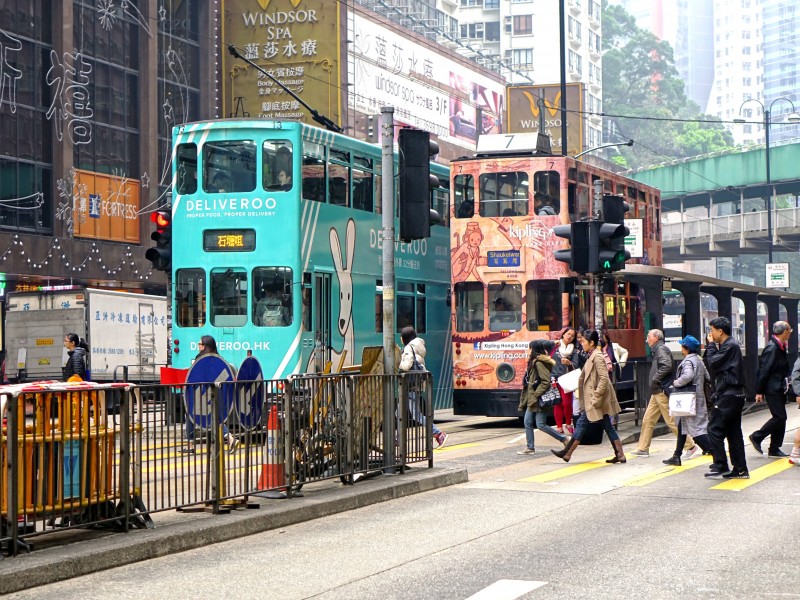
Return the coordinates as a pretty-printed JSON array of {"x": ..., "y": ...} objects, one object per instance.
[
  {"x": 773, "y": 373},
  {"x": 661, "y": 377}
]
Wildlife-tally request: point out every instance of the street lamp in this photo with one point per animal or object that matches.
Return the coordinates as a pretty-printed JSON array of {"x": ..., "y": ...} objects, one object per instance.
[
  {"x": 611, "y": 145},
  {"x": 792, "y": 118}
]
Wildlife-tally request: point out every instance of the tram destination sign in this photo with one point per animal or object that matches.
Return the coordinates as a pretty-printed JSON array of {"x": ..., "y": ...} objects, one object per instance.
[{"x": 229, "y": 240}]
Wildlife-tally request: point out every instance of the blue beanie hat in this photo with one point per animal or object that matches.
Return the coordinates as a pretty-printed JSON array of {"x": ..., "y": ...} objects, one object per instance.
[{"x": 692, "y": 343}]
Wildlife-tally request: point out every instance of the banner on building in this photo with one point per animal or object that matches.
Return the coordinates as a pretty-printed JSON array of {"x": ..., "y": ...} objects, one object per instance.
[
  {"x": 106, "y": 207},
  {"x": 533, "y": 106}
]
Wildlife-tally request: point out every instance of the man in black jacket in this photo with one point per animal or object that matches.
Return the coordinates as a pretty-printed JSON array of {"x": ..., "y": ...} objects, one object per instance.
[
  {"x": 724, "y": 360},
  {"x": 773, "y": 371}
]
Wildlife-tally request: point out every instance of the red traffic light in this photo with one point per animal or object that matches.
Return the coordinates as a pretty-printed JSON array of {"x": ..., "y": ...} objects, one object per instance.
[{"x": 161, "y": 218}]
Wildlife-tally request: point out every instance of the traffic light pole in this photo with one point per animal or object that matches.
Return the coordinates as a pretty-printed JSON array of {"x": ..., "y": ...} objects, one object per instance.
[
  {"x": 598, "y": 277},
  {"x": 387, "y": 222}
]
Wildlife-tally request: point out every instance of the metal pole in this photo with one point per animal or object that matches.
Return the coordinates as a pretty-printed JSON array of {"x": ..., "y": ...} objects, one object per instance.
[
  {"x": 562, "y": 19},
  {"x": 597, "y": 210},
  {"x": 769, "y": 187},
  {"x": 387, "y": 208}
]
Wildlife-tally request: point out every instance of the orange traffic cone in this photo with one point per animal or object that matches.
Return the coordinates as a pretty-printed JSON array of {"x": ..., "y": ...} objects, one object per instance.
[{"x": 273, "y": 474}]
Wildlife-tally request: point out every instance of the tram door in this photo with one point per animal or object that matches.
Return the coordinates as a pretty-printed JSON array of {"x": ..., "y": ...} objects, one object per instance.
[{"x": 322, "y": 320}]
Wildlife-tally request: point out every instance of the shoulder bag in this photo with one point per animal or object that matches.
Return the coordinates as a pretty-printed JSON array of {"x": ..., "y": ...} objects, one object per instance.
[
  {"x": 569, "y": 380},
  {"x": 550, "y": 398},
  {"x": 683, "y": 401}
]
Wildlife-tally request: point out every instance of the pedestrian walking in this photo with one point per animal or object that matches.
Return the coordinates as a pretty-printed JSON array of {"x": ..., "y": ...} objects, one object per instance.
[
  {"x": 771, "y": 385},
  {"x": 598, "y": 401},
  {"x": 413, "y": 358},
  {"x": 725, "y": 364},
  {"x": 692, "y": 371},
  {"x": 794, "y": 457},
  {"x": 539, "y": 372},
  {"x": 207, "y": 345},
  {"x": 564, "y": 349},
  {"x": 661, "y": 377},
  {"x": 77, "y": 351}
]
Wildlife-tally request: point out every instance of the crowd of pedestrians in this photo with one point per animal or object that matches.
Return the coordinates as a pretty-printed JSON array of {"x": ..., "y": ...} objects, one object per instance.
[{"x": 714, "y": 381}]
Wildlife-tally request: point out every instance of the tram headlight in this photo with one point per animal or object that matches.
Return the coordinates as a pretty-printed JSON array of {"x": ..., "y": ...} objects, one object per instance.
[{"x": 505, "y": 372}]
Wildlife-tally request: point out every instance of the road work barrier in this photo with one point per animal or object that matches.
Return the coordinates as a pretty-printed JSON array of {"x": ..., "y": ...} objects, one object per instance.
[{"x": 112, "y": 455}]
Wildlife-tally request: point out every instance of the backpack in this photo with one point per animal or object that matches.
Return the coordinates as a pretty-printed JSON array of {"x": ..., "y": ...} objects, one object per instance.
[
  {"x": 272, "y": 314},
  {"x": 416, "y": 366}
]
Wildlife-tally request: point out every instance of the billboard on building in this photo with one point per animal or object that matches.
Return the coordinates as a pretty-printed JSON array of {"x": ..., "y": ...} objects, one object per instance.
[
  {"x": 530, "y": 106},
  {"x": 106, "y": 207},
  {"x": 427, "y": 89},
  {"x": 295, "y": 41}
]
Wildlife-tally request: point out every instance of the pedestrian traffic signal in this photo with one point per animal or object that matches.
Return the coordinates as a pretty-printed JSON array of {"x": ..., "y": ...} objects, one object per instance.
[
  {"x": 161, "y": 254},
  {"x": 416, "y": 182},
  {"x": 611, "y": 254},
  {"x": 578, "y": 255}
]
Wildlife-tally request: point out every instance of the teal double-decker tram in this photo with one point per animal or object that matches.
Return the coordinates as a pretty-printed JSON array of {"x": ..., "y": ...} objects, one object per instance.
[{"x": 277, "y": 250}]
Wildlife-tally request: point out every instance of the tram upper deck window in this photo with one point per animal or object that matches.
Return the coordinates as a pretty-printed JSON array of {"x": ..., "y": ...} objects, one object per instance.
[
  {"x": 362, "y": 183},
  {"x": 339, "y": 177},
  {"x": 272, "y": 296},
  {"x": 464, "y": 197},
  {"x": 276, "y": 165},
  {"x": 504, "y": 194},
  {"x": 505, "y": 306},
  {"x": 228, "y": 297},
  {"x": 229, "y": 167},
  {"x": 547, "y": 192},
  {"x": 190, "y": 297},
  {"x": 314, "y": 172},
  {"x": 186, "y": 171},
  {"x": 469, "y": 306}
]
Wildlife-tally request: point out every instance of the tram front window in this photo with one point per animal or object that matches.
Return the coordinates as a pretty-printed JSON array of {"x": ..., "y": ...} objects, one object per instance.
[
  {"x": 272, "y": 296},
  {"x": 505, "y": 306},
  {"x": 469, "y": 306},
  {"x": 228, "y": 297}
]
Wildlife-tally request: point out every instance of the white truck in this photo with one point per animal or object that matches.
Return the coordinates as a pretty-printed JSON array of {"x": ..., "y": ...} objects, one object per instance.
[{"x": 123, "y": 330}]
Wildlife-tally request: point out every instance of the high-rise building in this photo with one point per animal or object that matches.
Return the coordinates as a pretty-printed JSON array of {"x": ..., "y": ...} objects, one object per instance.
[{"x": 781, "y": 38}]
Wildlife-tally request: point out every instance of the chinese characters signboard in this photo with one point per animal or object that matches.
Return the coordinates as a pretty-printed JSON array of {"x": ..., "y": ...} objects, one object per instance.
[{"x": 295, "y": 41}]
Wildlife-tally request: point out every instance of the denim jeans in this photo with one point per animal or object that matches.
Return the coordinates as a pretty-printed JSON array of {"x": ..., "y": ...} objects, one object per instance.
[
  {"x": 541, "y": 424},
  {"x": 417, "y": 414},
  {"x": 583, "y": 424}
]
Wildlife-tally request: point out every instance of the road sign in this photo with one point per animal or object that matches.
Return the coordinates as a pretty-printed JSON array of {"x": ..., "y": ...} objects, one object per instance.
[
  {"x": 777, "y": 275},
  {"x": 206, "y": 371},
  {"x": 250, "y": 392}
]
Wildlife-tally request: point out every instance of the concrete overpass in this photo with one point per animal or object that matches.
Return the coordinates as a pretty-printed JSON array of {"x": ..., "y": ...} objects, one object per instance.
[{"x": 714, "y": 205}]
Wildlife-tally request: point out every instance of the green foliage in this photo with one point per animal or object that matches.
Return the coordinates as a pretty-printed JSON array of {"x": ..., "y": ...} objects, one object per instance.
[{"x": 640, "y": 80}]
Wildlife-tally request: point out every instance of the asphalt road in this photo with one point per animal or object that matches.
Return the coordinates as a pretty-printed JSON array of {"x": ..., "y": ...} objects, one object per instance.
[{"x": 523, "y": 527}]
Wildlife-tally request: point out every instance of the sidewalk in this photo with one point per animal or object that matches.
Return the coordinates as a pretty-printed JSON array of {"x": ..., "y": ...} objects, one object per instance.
[{"x": 176, "y": 532}]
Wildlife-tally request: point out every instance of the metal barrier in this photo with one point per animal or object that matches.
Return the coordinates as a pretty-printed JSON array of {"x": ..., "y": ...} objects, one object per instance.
[{"x": 77, "y": 455}]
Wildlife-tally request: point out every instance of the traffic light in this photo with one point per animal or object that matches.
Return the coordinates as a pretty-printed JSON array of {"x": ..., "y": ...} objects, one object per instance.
[
  {"x": 578, "y": 255},
  {"x": 611, "y": 254},
  {"x": 416, "y": 183},
  {"x": 161, "y": 254}
]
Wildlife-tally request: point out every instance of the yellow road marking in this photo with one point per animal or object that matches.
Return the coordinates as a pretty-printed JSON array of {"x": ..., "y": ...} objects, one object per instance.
[
  {"x": 456, "y": 447},
  {"x": 649, "y": 478},
  {"x": 760, "y": 474},
  {"x": 566, "y": 471}
]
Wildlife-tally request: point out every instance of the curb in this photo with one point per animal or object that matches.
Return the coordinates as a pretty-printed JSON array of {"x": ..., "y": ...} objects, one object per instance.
[{"x": 91, "y": 556}]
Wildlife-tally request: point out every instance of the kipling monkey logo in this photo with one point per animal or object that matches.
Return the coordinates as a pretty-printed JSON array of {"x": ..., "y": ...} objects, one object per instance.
[{"x": 265, "y": 3}]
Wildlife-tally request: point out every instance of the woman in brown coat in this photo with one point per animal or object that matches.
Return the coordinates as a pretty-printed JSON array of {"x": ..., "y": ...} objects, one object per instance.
[{"x": 598, "y": 400}]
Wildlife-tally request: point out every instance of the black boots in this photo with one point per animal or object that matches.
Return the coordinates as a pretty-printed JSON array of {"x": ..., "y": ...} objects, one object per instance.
[
  {"x": 569, "y": 448},
  {"x": 619, "y": 453},
  {"x": 675, "y": 460}
]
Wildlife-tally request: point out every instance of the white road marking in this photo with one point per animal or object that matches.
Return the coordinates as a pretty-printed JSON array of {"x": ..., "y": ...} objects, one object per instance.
[
  {"x": 521, "y": 436},
  {"x": 507, "y": 589}
]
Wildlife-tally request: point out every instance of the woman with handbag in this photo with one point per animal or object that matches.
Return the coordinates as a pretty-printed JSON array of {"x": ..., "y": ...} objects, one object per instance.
[
  {"x": 562, "y": 413},
  {"x": 691, "y": 372},
  {"x": 539, "y": 369},
  {"x": 598, "y": 401}
]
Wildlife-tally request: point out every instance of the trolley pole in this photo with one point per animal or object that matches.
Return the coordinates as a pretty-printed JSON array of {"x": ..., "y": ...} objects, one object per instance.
[
  {"x": 387, "y": 230},
  {"x": 597, "y": 211}
]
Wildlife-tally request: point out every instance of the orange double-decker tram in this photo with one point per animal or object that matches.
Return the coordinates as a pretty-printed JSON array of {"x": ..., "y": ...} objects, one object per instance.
[{"x": 507, "y": 288}]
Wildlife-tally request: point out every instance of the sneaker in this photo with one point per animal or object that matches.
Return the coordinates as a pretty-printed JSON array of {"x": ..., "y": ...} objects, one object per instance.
[
  {"x": 234, "y": 444},
  {"x": 441, "y": 438},
  {"x": 527, "y": 451},
  {"x": 187, "y": 450},
  {"x": 736, "y": 475},
  {"x": 637, "y": 452},
  {"x": 795, "y": 460},
  {"x": 674, "y": 460},
  {"x": 756, "y": 444},
  {"x": 691, "y": 453}
]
